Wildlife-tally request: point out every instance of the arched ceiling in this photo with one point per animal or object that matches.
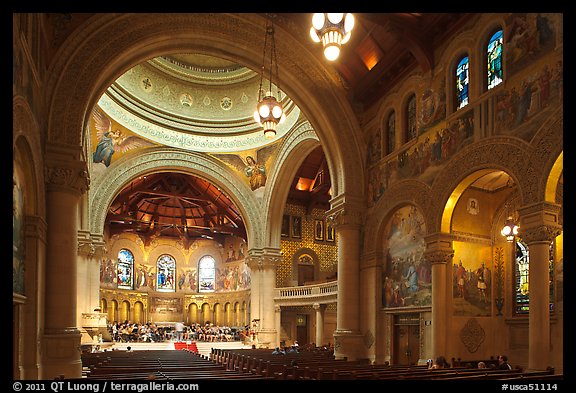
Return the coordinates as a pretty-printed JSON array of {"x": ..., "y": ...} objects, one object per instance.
[
  {"x": 203, "y": 103},
  {"x": 198, "y": 103},
  {"x": 193, "y": 102}
]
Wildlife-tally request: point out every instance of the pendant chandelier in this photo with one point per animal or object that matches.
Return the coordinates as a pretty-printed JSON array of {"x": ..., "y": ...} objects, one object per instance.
[
  {"x": 510, "y": 229},
  {"x": 269, "y": 112},
  {"x": 332, "y": 30}
]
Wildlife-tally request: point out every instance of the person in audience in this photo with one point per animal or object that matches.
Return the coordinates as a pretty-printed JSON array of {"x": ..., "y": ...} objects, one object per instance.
[
  {"x": 441, "y": 362},
  {"x": 278, "y": 351},
  {"x": 503, "y": 363},
  {"x": 292, "y": 349},
  {"x": 481, "y": 365}
]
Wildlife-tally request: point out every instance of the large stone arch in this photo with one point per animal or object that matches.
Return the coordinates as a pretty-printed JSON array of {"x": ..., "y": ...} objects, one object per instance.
[
  {"x": 509, "y": 154},
  {"x": 407, "y": 192},
  {"x": 25, "y": 138},
  {"x": 106, "y": 45},
  {"x": 294, "y": 149},
  {"x": 107, "y": 186},
  {"x": 547, "y": 156}
]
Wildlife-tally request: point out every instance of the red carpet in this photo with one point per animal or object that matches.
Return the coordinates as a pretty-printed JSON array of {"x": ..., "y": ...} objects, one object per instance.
[{"x": 179, "y": 345}]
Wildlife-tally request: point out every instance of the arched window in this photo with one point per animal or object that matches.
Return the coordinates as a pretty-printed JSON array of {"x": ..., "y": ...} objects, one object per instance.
[
  {"x": 412, "y": 132},
  {"x": 391, "y": 133},
  {"x": 522, "y": 277},
  {"x": 125, "y": 269},
  {"x": 166, "y": 273},
  {"x": 206, "y": 274},
  {"x": 494, "y": 59},
  {"x": 462, "y": 83}
]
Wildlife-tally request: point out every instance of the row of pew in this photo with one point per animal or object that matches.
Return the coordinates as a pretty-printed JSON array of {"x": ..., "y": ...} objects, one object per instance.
[
  {"x": 164, "y": 365},
  {"x": 322, "y": 365},
  {"x": 261, "y": 364}
]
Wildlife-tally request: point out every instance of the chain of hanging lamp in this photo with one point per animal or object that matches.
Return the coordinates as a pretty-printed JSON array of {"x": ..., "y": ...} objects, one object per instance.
[{"x": 269, "y": 112}]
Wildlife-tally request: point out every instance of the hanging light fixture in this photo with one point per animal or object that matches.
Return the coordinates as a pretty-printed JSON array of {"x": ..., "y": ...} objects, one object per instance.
[
  {"x": 269, "y": 112},
  {"x": 510, "y": 229},
  {"x": 333, "y": 30}
]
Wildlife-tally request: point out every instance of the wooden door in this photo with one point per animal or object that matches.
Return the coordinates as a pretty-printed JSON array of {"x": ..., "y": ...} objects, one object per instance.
[
  {"x": 406, "y": 341},
  {"x": 305, "y": 273}
]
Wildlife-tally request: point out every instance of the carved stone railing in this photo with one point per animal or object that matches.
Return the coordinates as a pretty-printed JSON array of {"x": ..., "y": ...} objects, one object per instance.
[{"x": 306, "y": 295}]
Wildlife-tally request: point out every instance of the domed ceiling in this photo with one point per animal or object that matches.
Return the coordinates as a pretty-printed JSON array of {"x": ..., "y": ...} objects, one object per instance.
[
  {"x": 193, "y": 102},
  {"x": 198, "y": 103}
]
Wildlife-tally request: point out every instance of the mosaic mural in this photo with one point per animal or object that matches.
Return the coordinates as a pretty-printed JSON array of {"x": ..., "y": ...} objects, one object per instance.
[
  {"x": 407, "y": 277},
  {"x": 472, "y": 280}
]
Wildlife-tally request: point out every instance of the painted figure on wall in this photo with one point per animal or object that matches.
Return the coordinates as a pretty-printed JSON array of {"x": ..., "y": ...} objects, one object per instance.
[
  {"x": 471, "y": 288},
  {"x": 17, "y": 237},
  {"x": 112, "y": 140},
  {"x": 407, "y": 279},
  {"x": 256, "y": 173}
]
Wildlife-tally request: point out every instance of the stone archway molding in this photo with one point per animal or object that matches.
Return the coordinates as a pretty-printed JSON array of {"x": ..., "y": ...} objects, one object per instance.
[{"x": 105, "y": 188}]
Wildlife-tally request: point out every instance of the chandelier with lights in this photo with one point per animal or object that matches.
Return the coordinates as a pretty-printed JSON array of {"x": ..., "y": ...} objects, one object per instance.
[
  {"x": 510, "y": 229},
  {"x": 269, "y": 112},
  {"x": 333, "y": 30}
]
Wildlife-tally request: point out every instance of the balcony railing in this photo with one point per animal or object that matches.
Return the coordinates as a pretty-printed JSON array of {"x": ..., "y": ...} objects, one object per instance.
[{"x": 307, "y": 295}]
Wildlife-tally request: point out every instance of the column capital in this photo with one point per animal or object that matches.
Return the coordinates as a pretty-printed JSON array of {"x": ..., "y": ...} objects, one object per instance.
[
  {"x": 66, "y": 177},
  {"x": 540, "y": 234},
  {"x": 438, "y": 248},
  {"x": 318, "y": 306},
  {"x": 265, "y": 258},
  {"x": 539, "y": 222},
  {"x": 85, "y": 246},
  {"x": 35, "y": 226},
  {"x": 346, "y": 210},
  {"x": 342, "y": 217}
]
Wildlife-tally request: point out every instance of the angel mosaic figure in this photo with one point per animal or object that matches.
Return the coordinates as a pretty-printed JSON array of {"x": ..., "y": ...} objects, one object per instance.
[
  {"x": 256, "y": 173},
  {"x": 110, "y": 141}
]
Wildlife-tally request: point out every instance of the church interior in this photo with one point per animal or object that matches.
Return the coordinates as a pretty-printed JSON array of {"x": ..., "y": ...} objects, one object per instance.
[{"x": 405, "y": 203}]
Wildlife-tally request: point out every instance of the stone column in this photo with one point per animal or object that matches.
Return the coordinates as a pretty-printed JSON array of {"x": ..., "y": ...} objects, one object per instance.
[
  {"x": 66, "y": 181},
  {"x": 263, "y": 264},
  {"x": 347, "y": 218},
  {"x": 538, "y": 228},
  {"x": 371, "y": 301},
  {"x": 319, "y": 323},
  {"x": 277, "y": 324},
  {"x": 439, "y": 252},
  {"x": 33, "y": 308}
]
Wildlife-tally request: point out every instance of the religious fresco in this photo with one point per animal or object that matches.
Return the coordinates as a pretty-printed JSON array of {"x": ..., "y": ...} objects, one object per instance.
[
  {"x": 521, "y": 105},
  {"x": 235, "y": 249},
  {"x": 522, "y": 108},
  {"x": 234, "y": 276},
  {"x": 424, "y": 160},
  {"x": 472, "y": 275},
  {"x": 17, "y": 234},
  {"x": 252, "y": 165},
  {"x": 528, "y": 38},
  {"x": 432, "y": 106},
  {"x": 407, "y": 275},
  {"x": 110, "y": 140}
]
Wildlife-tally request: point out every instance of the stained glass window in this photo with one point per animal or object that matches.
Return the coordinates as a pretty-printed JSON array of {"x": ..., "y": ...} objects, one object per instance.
[
  {"x": 206, "y": 274},
  {"x": 166, "y": 273},
  {"x": 125, "y": 269},
  {"x": 522, "y": 277},
  {"x": 391, "y": 133},
  {"x": 462, "y": 83},
  {"x": 412, "y": 132},
  {"x": 494, "y": 59}
]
